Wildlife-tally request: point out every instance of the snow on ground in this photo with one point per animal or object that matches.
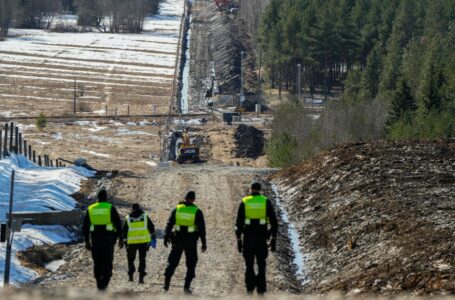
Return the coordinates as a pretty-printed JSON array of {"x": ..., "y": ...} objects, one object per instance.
[
  {"x": 299, "y": 258},
  {"x": 46, "y": 60},
  {"x": 37, "y": 189},
  {"x": 95, "y": 153}
]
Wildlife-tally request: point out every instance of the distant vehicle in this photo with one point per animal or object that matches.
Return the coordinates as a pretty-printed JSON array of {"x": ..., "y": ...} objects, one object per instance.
[
  {"x": 229, "y": 117},
  {"x": 225, "y": 5},
  {"x": 185, "y": 150}
]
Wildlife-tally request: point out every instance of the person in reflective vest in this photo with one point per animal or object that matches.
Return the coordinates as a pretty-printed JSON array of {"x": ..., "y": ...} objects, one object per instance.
[
  {"x": 184, "y": 228},
  {"x": 256, "y": 222},
  {"x": 138, "y": 232},
  {"x": 101, "y": 228}
]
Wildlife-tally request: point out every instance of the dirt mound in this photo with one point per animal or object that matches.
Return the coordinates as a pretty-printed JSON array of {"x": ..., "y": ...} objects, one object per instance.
[
  {"x": 376, "y": 218},
  {"x": 249, "y": 142}
]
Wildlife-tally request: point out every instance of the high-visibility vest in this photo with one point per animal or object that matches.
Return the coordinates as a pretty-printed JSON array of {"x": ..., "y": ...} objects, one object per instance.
[
  {"x": 186, "y": 216},
  {"x": 100, "y": 214},
  {"x": 138, "y": 232},
  {"x": 255, "y": 209}
]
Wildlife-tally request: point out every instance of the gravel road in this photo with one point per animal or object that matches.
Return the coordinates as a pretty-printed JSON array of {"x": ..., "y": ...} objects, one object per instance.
[{"x": 220, "y": 270}]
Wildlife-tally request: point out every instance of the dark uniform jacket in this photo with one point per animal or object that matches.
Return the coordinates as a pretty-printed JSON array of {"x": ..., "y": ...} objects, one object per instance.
[
  {"x": 183, "y": 235},
  {"x": 255, "y": 229},
  {"x": 100, "y": 234}
]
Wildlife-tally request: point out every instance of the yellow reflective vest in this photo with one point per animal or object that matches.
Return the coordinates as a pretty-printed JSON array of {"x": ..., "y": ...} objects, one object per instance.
[
  {"x": 186, "y": 216},
  {"x": 255, "y": 209},
  {"x": 100, "y": 214},
  {"x": 138, "y": 232}
]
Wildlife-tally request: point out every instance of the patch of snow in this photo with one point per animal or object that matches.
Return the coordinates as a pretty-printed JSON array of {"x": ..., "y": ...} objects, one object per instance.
[
  {"x": 151, "y": 163},
  {"x": 96, "y": 153},
  {"x": 57, "y": 136},
  {"x": 37, "y": 189},
  {"x": 299, "y": 258},
  {"x": 53, "y": 266},
  {"x": 193, "y": 122},
  {"x": 126, "y": 131}
]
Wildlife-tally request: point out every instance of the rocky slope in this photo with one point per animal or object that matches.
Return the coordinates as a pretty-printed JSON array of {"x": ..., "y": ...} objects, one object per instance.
[{"x": 376, "y": 218}]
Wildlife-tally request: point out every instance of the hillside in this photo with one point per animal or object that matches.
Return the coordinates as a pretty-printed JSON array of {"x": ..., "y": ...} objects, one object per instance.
[{"x": 375, "y": 218}]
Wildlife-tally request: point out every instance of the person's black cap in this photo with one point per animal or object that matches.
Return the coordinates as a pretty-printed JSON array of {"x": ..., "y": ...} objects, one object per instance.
[
  {"x": 190, "y": 195},
  {"x": 102, "y": 195},
  {"x": 136, "y": 206},
  {"x": 256, "y": 186}
]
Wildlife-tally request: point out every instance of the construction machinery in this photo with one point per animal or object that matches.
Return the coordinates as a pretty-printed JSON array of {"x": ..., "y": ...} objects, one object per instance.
[
  {"x": 224, "y": 5},
  {"x": 185, "y": 149}
]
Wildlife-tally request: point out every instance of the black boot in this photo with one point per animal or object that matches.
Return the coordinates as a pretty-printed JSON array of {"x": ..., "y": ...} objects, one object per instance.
[
  {"x": 187, "y": 291},
  {"x": 141, "y": 277},
  {"x": 130, "y": 277},
  {"x": 167, "y": 283}
]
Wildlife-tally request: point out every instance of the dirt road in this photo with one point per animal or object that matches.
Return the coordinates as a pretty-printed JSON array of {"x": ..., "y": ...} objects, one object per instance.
[{"x": 220, "y": 270}]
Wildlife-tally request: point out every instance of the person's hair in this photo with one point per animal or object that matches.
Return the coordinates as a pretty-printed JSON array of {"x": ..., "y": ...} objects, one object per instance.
[
  {"x": 102, "y": 195},
  {"x": 190, "y": 196},
  {"x": 136, "y": 206},
  {"x": 256, "y": 186}
]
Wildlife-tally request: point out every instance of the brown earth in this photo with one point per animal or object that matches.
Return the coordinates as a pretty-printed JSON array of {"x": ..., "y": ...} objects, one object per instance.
[{"x": 376, "y": 218}]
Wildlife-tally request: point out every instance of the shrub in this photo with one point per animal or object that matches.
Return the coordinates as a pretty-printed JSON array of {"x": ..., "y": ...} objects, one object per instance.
[{"x": 41, "y": 121}]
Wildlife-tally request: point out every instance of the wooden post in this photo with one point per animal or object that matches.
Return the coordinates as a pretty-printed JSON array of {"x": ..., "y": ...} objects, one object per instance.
[
  {"x": 128, "y": 114},
  {"x": 115, "y": 117},
  {"x": 5, "y": 144},
  {"x": 40, "y": 163},
  {"x": 1, "y": 148},
  {"x": 20, "y": 143},
  {"x": 25, "y": 148},
  {"x": 11, "y": 137},
  {"x": 16, "y": 140},
  {"x": 56, "y": 163},
  {"x": 30, "y": 152},
  {"x": 106, "y": 111},
  {"x": 52, "y": 164},
  {"x": 34, "y": 156},
  {"x": 9, "y": 241}
]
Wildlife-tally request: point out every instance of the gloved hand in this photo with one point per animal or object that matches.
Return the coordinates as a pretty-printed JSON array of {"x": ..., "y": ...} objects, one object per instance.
[
  {"x": 167, "y": 240},
  {"x": 239, "y": 245},
  {"x": 88, "y": 246},
  {"x": 120, "y": 244},
  {"x": 273, "y": 244},
  {"x": 204, "y": 248}
]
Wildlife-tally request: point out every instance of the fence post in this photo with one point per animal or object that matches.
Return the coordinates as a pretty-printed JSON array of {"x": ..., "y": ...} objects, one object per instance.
[
  {"x": 34, "y": 156},
  {"x": 9, "y": 241},
  {"x": 16, "y": 140},
  {"x": 25, "y": 149},
  {"x": 1, "y": 146},
  {"x": 52, "y": 164},
  {"x": 5, "y": 145},
  {"x": 128, "y": 114},
  {"x": 20, "y": 143},
  {"x": 106, "y": 111},
  {"x": 40, "y": 163},
  {"x": 30, "y": 152},
  {"x": 56, "y": 163},
  {"x": 11, "y": 137}
]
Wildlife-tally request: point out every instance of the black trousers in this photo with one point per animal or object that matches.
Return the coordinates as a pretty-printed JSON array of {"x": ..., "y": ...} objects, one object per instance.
[
  {"x": 131, "y": 251},
  {"x": 255, "y": 249},
  {"x": 190, "y": 249},
  {"x": 103, "y": 257}
]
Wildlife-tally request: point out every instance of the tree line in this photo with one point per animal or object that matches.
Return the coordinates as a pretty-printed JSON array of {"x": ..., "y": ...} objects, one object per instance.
[
  {"x": 105, "y": 15},
  {"x": 397, "y": 57}
]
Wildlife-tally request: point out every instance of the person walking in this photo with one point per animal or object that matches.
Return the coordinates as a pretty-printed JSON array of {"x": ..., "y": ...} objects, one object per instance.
[
  {"x": 188, "y": 223},
  {"x": 254, "y": 216},
  {"x": 101, "y": 228},
  {"x": 138, "y": 233}
]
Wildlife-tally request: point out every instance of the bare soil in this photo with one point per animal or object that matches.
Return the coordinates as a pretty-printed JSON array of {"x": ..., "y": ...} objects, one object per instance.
[{"x": 376, "y": 218}]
